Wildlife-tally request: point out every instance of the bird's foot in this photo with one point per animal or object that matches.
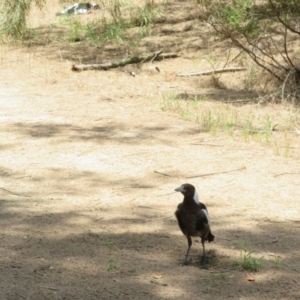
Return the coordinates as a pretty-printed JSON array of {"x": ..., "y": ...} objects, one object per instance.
[
  {"x": 186, "y": 262},
  {"x": 203, "y": 260}
]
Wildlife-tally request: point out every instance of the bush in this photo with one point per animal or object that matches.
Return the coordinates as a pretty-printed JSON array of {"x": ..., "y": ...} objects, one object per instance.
[
  {"x": 14, "y": 15},
  {"x": 263, "y": 31}
]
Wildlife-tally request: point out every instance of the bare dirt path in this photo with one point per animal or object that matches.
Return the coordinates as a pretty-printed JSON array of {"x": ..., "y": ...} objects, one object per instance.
[{"x": 86, "y": 212}]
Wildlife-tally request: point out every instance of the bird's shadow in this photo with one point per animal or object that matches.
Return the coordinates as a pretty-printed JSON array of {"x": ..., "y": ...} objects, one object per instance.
[{"x": 210, "y": 261}]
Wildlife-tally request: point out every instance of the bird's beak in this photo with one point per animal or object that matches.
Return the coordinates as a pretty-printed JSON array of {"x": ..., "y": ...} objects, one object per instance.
[{"x": 180, "y": 189}]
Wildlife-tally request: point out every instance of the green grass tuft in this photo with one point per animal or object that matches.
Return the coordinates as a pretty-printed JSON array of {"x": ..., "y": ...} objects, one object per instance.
[
  {"x": 110, "y": 245},
  {"x": 240, "y": 122},
  {"x": 111, "y": 265},
  {"x": 277, "y": 262},
  {"x": 248, "y": 262}
]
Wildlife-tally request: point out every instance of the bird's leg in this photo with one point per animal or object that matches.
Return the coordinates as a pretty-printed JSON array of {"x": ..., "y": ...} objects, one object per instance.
[
  {"x": 187, "y": 261},
  {"x": 204, "y": 255}
]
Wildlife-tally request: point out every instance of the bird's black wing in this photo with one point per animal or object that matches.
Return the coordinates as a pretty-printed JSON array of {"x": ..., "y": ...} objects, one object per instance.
[
  {"x": 179, "y": 218},
  {"x": 201, "y": 221},
  {"x": 203, "y": 227}
]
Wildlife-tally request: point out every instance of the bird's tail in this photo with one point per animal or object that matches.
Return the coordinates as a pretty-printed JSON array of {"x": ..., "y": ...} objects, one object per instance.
[{"x": 210, "y": 237}]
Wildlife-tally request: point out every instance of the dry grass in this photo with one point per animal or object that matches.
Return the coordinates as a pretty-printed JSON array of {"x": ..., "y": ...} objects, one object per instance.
[{"x": 273, "y": 125}]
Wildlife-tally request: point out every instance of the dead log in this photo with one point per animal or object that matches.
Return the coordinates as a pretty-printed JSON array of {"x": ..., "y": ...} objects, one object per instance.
[{"x": 126, "y": 61}]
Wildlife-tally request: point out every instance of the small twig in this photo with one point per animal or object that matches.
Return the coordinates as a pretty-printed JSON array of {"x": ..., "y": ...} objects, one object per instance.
[
  {"x": 21, "y": 195},
  {"x": 222, "y": 70},
  {"x": 297, "y": 221},
  {"x": 295, "y": 270},
  {"x": 158, "y": 282},
  {"x": 97, "y": 203},
  {"x": 131, "y": 200},
  {"x": 280, "y": 174},
  {"x": 96, "y": 293},
  {"x": 145, "y": 220},
  {"x": 23, "y": 177},
  {"x": 21, "y": 296},
  {"x": 228, "y": 55},
  {"x": 254, "y": 218},
  {"x": 225, "y": 185},
  {"x": 157, "y": 219},
  {"x": 48, "y": 287},
  {"x": 155, "y": 55},
  {"x": 238, "y": 101},
  {"x": 204, "y": 144},
  {"x": 148, "y": 207},
  {"x": 165, "y": 194},
  {"x": 138, "y": 153},
  {"x": 162, "y": 236},
  {"x": 283, "y": 86},
  {"x": 223, "y": 239},
  {"x": 27, "y": 240},
  {"x": 296, "y": 281},
  {"x": 60, "y": 54},
  {"x": 215, "y": 173},
  {"x": 221, "y": 271},
  {"x": 236, "y": 56},
  {"x": 165, "y": 174}
]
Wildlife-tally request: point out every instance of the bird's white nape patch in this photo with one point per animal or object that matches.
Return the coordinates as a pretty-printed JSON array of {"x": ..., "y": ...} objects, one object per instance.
[
  {"x": 196, "y": 197},
  {"x": 206, "y": 213}
]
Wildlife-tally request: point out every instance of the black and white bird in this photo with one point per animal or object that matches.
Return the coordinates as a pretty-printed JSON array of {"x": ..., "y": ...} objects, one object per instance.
[{"x": 193, "y": 218}]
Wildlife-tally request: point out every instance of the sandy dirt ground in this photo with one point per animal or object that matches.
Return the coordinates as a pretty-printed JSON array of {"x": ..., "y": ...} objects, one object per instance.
[{"x": 89, "y": 164}]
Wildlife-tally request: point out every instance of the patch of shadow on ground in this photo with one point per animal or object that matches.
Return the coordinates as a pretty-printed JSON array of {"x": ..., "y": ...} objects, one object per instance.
[
  {"x": 118, "y": 132},
  {"x": 221, "y": 95},
  {"x": 51, "y": 254}
]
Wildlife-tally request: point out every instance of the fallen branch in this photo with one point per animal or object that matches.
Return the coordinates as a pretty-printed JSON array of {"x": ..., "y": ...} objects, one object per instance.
[
  {"x": 215, "y": 173},
  {"x": 223, "y": 70},
  {"x": 126, "y": 61}
]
